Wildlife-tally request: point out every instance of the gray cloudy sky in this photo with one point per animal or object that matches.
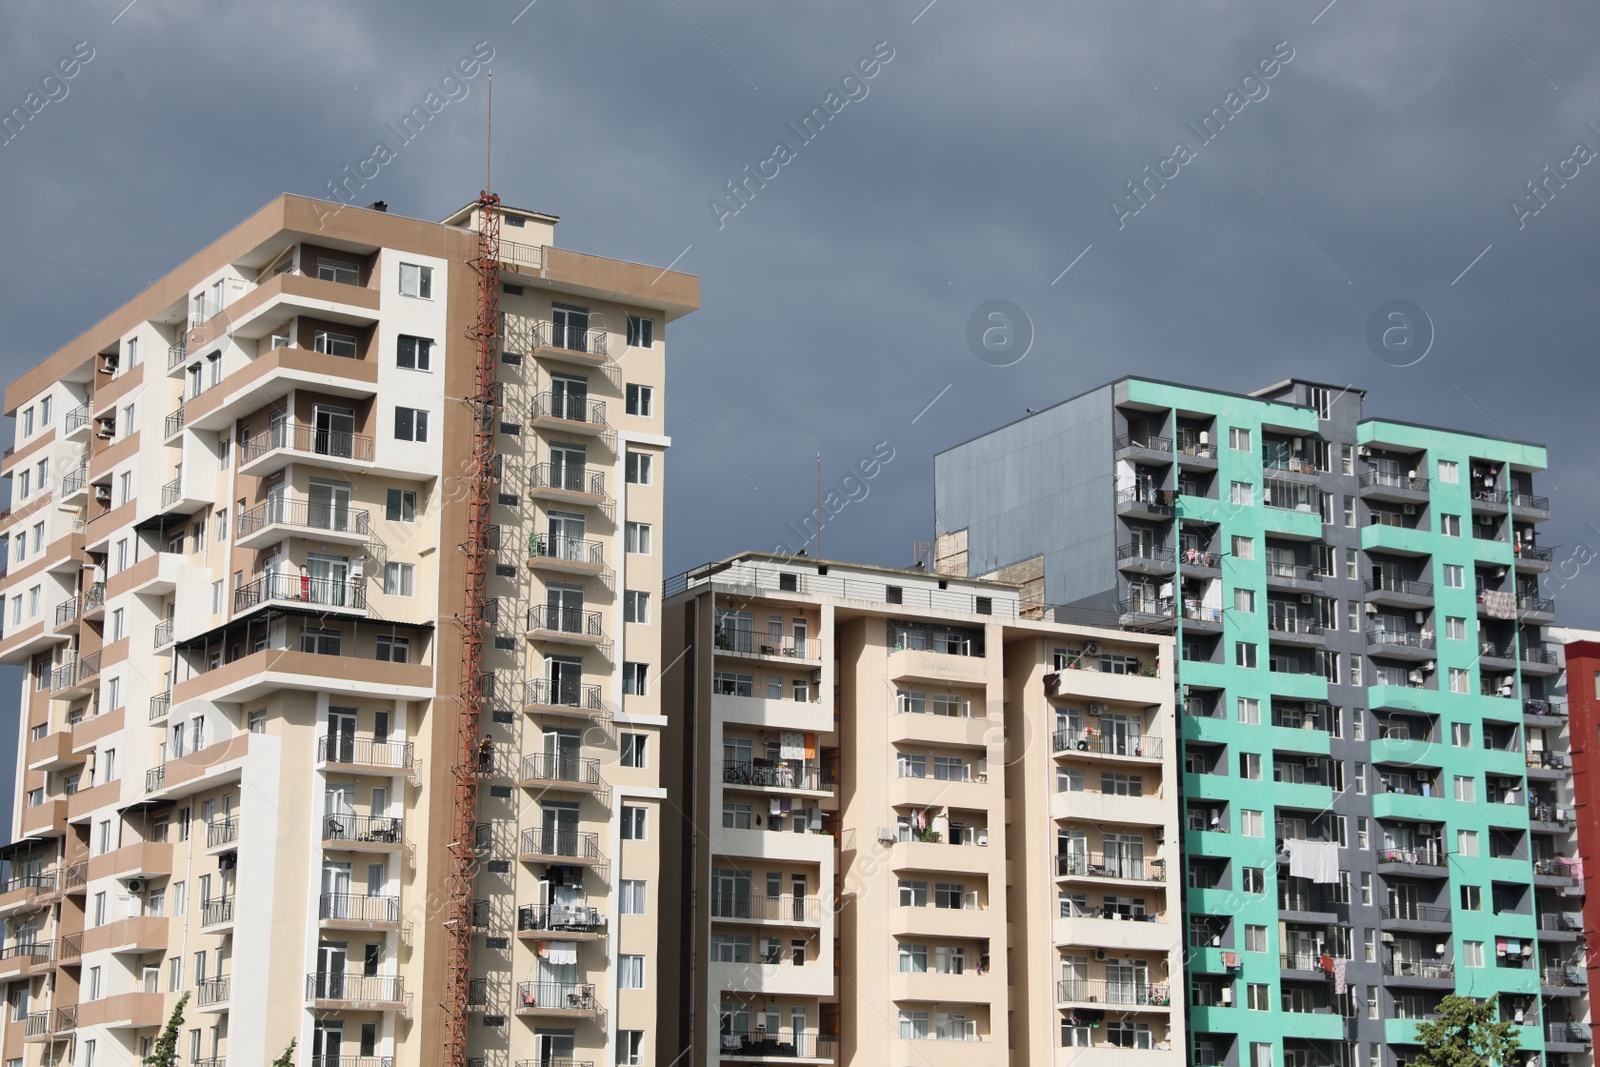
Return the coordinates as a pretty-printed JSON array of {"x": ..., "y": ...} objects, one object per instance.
[{"x": 978, "y": 166}]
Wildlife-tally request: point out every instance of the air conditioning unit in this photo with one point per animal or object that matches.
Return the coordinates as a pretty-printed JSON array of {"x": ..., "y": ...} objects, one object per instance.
[
  {"x": 1364, "y": 452},
  {"x": 887, "y": 835},
  {"x": 1098, "y": 709},
  {"x": 1372, "y": 609},
  {"x": 1486, "y": 520},
  {"x": 1408, "y": 509},
  {"x": 1305, "y": 598},
  {"x": 1388, "y": 939},
  {"x": 1311, "y": 761},
  {"x": 1100, "y": 954},
  {"x": 1416, "y": 677},
  {"x": 135, "y": 885}
]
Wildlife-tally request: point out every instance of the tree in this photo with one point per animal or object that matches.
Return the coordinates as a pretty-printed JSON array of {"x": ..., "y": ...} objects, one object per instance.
[
  {"x": 286, "y": 1059},
  {"x": 1467, "y": 1033},
  {"x": 165, "y": 1052}
]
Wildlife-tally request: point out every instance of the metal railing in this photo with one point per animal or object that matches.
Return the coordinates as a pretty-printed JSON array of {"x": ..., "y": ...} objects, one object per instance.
[
  {"x": 771, "y": 775},
  {"x": 1565, "y": 975},
  {"x": 160, "y": 706},
  {"x": 299, "y": 437},
  {"x": 1300, "y": 961},
  {"x": 1145, "y": 746},
  {"x": 379, "y": 829},
  {"x": 1540, "y": 812},
  {"x": 300, "y": 589},
  {"x": 38, "y": 1023},
  {"x": 366, "y": 751},
  {"x": 1283, "y": 625},
  {"x": 1148, "y": 553},
  {"x": 556, "y": 996},
  {"x": 1400, "y": 638},
  {"x": 75, "y": 481},
  {"x": 1416, "y": 913},
  {"x": 785, "y": 908},
  {"x": 579, "y": 696},
  {"x": 174, "y": 422},
  {"x": 216, "y": 910},
  {"x": 1399, "y": 585},
  {"x": 1539, "y": 655},
  {"x": 1157, "y": 606},
  {"x": 368, "y": 988},
  {"x": 1418, "y": 857},
  {"x": 1569, "y": 1033},
  {"x": 163, "y": 633},
  {"x": 568, "y": 408},
  {"x": 66, "y": 1018},
  {"x": 77, "y": 876},
  {"x": 33, "y": 950},
  {"x": 1528, "y": 602},
  {"x": 222, "y": 832},
  {"x": 1144, "y": 441},
  {"x": 1530, "y": 502},
  {"x": 765, "y": 643},
  {"x": 305, "y": 514},
  {"x": 1101, "y": 991},
  {"x": 1098, "y": 865},
  {"x": 546, "y": 619},
  {"x": 1541, "y": 757},
  {"x": 1523, "y": 550},
  {"x": 567, "y": 478},
  {"x": 1546, "y": 708},
  {"x": 177, "y": 353},
  {"x": 359, "y": 907},
  {"x": 570, "y": 549},
  {"x": 43, "y": 881},
  {"x": 743, "y": 577},
  {"x": 77, "y": 418},
  {"x": 1156, "y": 501},
  {"x": 1196, "y": 448},
  {"x": 1387, "y": 480},
  {"x": 567, "y": 844},
  {"x": 1419, "y": 969},
  {"x": 1291, "y": 572},
  {"x": 570, "y": 338},
  {"x": 556, "y": 918},
  {"x": 578, "y": 770},
  {"x": 212, "y": 991}
]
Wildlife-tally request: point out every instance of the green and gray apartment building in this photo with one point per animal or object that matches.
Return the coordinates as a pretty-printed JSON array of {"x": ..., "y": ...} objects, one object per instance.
[{"x": 1377, "y": 798}]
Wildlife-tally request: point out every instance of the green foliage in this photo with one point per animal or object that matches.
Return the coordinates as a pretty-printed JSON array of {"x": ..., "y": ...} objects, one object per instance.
[
  {"x": 286, "y": 1059},
  {"x": 1467, "y": 1033},
  {"x": 165, "y": 1052}
]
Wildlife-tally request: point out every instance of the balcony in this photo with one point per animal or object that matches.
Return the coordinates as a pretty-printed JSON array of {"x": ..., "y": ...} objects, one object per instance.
[
  {"x": 26, "y": 891},
  {"x": 568, "y": 414},
  {"x": 361, "y": 992},
  {"x": 1531, "y": 608},
  {"x": 1420, "y": 972},
  {"x": 1291, "y": 630},
  {"x": 1530, "y": 508},
  {"x": 1539, "y": 661},
  {"x": 327, "y": 521},
  {"x": 1119, "y": 868},
  {"x": 567, "y": 1000},
  {"x": 1429, "y": 861},
  {"x": 365, "y": 754},
  {"x": 579, "y": 774},
  {"x": 567, "y": 341},
  {"x": 273, "y": 450},
  {"x": 17, "y": 959},
  {"x": 763, "y": 645},
  {"x": 1530, "y": 558},
  {"x": 758, "y": 1046},
  {"x": 164, "y": 633},
  {"x": 1568, "y": 1037},
  {"x": 1544, "y": 712},
  {"x": 217, "y": 911},
  {"x": 358, "y": 911},
  {"x": 160, "y": 706},
  {"x": 1399, "y": 593},
  {"x": 566, "y": 626},
  {"x": 1572, "y": 978},
  {"x": 541, "y": 845},
  {"x": 1096, "y": 742},
  {"x": 543, "y": 696},
  {"x": 173, "y": 424},
  {"x": 1145, "y": 559},
  {"x": 76, "y": 419},
  {"x": 1394, "y": 488},
  {"x": 1290, "y": 467},
  {"x": 1401, "y": 644},
  {"x": 576, "y": 922},
  {"x": 1415, "y": 917},
  {"x": 569, "y": 485},
  {"x": 1292, "y": 576},
  {"x": 1144, "y": 448},
  {"x": 1120, "y": 994},
  {"x": 212, "y": 993},
  {"x": 222, "y": 833},
  {"x": 319, "y": 595},
  {"x": 362, "y": 833},
  {"x": 1146, "y": 503},
  {"x": 567, "y": 555},
  {"x": 765, "y": 774},
  {"x": 1146, "y": 612},
  {"x": 784, "y": 910},
  {"x": 74, "y": 485}
]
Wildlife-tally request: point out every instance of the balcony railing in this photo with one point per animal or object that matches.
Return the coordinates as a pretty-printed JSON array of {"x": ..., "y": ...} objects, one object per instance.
[
  {"x": 767, "y": 774},
  {"x": 33, "y": 950},
  {"x": 767, "y": 643},
  {"x": 546, "y": 619},
  {"x": 212, "y": 991},
  {"x": 366, "y": 751},
  {"x": 1566, "y": 975},
  {"x": 1539, "y": 655},
  {"x": 581, "y": 697},
  {"x": 177, "y": 353},
  {"x": 560, "y": 918},
  {"x": 1291, "y": 572},
  {"x": 1100, "y": 991},
  {"x": 1398, "y": 585},
  {"x": 1419, "y": 969},
  {"x": 570, "y": 408},
  {"x": 568, "y": 478},
  {"x": 1300, "y": 961},
  {"x": 377, "y": 829},
  {"x": 1541, "y": 757},
  {"x": 38, "y": 1024},
  {"x": 75, "y": 481},
  {"x": 300, "y": 589},
  {"x": 302, "y": 438},
  {"x": 174, "y": 422},
  {"x": 44, "y": 881},
  {"x": 1388, "y": 480},
  {"x": 1401, "y": 638},
  {"x": 570, "y": 549},
  {"x": 163, "y": 633},
  {"x": 222, "y": 832},
  {"x": 1569, "y": 1033},
  {"x": 1523, "y": 550},
  {"x": 1549, "y": 708},
  {"x": 570, "y": 844},
  {"x": 355, "y": 1061},
  {"x": 77, "y": 418},
  {"x": 1416, "y": 913},
  {"x": 1530, "y": 603},
  {"x": 1147, "y": 553},
  {"x": 1097, "y": 865},
  {"x": 778, "y": 1044},
  {"x": 1145, "y": 442},
  {"x": 1419, "y": 857},
  {"x": 556, "y": 996},
  {"x": 305, "y": 514},
  {"x": 1284, "y": 625},
  {"x": 1154, "y": 501},
  {"x": 785, "y": 908},
  {"x": 368, "y": 988},
  {"x": 1530, "y": 502},
  {"x": 1540, "y": 812},
  {"x": 160, "y": 706},
  {"x": 578, "y": 770},
  {"x": 359, "y": 907},
  {"x": 1145, "y": 746}
]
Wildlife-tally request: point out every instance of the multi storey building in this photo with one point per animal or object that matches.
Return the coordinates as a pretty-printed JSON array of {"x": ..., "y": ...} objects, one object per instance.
[
  {"x": 1376, "y": 801},
  {"x": 917, "y": 827},
  {"x": 1576, "y": 698},
  {"x": 233, "y": 582}
]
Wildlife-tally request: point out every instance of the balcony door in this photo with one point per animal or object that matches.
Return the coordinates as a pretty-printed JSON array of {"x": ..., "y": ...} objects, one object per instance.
[
  {"x": 334, "y": 430},
  {"x": 561, "y": 749},
  {"x": 565, "y": 675},
  {"x": 558, "y": 822},
  {"x": 564, "y": 607},
  {"x": 1402, "y": 900},
  {"x": 571, "y": 327},
  {"x": 1121, "y": 734},
  {"x": 339, "y": 810},
  {"x": 566, "y": 536},
  {"x": 1074, "y": 845},
  {"x": 332, "y": 957},
  {"x": 1124, "y": 855},
  {"x": 1127, "y": 982},
  {"x": 327, "y": 1044},
  {"x": 730, "y": 894},
  {"x": 330, "y": 578},
  {"x": 552, "y": 1047},
  {"x": 342, "y": 735},
  {"x": 568, "y": 467},
  {"x": 336, "y": 890},
  {"x": 329, "y": 506},
  {"x": 569, "y": 397}
]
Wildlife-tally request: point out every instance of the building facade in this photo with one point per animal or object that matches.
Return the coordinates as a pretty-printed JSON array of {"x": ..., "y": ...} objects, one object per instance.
[
  {"x": 232, "y": 581},
  {"x": 1377, "y": 797},
  {"x": 916, "y": 826}
]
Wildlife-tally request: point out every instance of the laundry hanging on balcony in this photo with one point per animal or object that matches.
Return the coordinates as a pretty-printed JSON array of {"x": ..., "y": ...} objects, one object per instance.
[
  {"x": 1499, "y": 604},
  {"x": 558, "y": 952},
  {"x": 1315, "y": 860}
]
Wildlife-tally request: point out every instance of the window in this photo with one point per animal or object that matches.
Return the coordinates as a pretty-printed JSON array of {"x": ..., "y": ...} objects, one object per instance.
[
  {"x": 635, "y": 606},
  {"x": 1249, "y": 709},
  {"x": 174, "y": 974},
  {"x": 1250, "y": 766},
  {"x": 416, "y": 281},
  {"x": 1255, "y": 939},
  {"x": 1454, "y": 576},
  {"x": 1350, "y": 512},
  {"x": 1244, "y": 654},
  {"x": 913, "y": 894},
  {"x": 1455, "y": 628},
  {"x": 1471, "y": 898},
  {"x": 410, "y": 424},
  {"x": 25, "y": 483},
  {"x": 1471, "y": 952},
  {"x": 913, "y": 1025},
  {"x": 640, "y": 468},
  {"x": 630, "y": 972},
  {"x": 1238, "y": 438},
  {"x": 1460, "y": 734},
  {"x": 1450, "y": 525},
  {"x": 1449, "y": 472},
  {"x": 1243, "y": 547},
  {"x": 258, "y": 722},
  {"x": 398, "y": 579},
  {"x": 630, "y": 1048},
  {"x": 334, "y": 344},
  {"x": 1243, "y": 494},
  {"x": 1366, "y": 888},
  {"x": 1244, "y": 600},
  {"x": 641, "y": 400},
  {"x": 632, "y": 750},
  {"x": 1458, "y": 680},
  {"x": 414, "y": 353},
  {"x": 730, "y": 948},
  {"x": 635, "y": 679},
  {"x": 1466, "y": 842},
  {"x": 637, "y": 538},
  {"x": 1259, "y": 999},
  {"x": 641, "y": 334},
  {"x": 1362, "y": 832},
  {"x": 736, "y": 815},
  {"x": 1250, "y": 823},
  {"x": 125, "y": 487},
  {"x": 114, "y": 693},
  {"x": 393, "y": 649},
  {"x": 913, "y": 959},
  {"x": 1255, "y": 880},
  {"x": 633, "y": 896},
  {"x": 633, "y": 823},
  {"x": 332, "y": 270},
  {"x": 1466, "y": 788}
]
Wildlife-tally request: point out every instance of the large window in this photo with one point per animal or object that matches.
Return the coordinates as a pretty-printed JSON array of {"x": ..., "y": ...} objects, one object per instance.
[
  {"x": 414, "y": 353},
  {"x": 416, "y": 281}
]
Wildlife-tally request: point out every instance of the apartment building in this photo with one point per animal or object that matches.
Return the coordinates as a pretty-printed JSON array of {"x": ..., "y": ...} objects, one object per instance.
[
  {"x": 1576, "y": 698},
  {"x": 916, "y": 826},
  {"x": 1376, "y": 781},
  {"x": 232, "y": 579}
]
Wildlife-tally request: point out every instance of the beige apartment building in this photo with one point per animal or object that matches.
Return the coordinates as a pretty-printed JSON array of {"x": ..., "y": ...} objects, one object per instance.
[
  {"x": 917, "y": 825},
  {"x": 234, "y": 581}
]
